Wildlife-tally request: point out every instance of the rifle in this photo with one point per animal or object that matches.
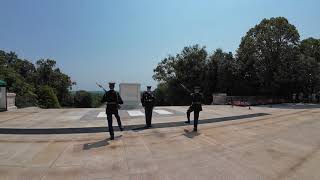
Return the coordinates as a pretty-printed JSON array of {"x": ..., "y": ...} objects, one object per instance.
[
  {"x": 99, "y": 85},
  {"x": 185, "y": 88}
]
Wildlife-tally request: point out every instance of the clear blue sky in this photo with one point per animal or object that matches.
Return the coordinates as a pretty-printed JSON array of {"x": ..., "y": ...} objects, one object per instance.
[{"x": 123, "y": 40}]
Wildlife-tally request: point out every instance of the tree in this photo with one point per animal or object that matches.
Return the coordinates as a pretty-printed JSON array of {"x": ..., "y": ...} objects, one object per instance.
[
  {"x": 309, "y": 63},
  {"x": 192, "y": 67},
  {"x": 161, "y": 94},
  {"x": 311, "y": 47},
  {"x": 83, "y": 99},
  {"x": 187, "y": 68},
  {"x": 47, "y": 97},
  {"x": 23, "y": 78},
  {"x": 265, "y": 50},
  {"x": 226, "y": 69},
  {"x": 48, "y": 74}
]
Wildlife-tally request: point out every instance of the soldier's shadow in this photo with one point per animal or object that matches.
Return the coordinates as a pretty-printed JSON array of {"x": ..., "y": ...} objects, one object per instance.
[
  {"x": 190, "y": 134},
  {"x": 98, "y": 144}
]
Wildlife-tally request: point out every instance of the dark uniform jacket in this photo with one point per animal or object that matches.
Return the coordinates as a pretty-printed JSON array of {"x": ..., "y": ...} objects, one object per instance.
[
  {"x": 113, "y": 100},
  {"x": 196, "y": 102},
  {"x": 147, "y": 99}
]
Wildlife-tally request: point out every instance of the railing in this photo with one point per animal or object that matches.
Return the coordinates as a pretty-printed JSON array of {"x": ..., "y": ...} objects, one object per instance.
[{"x": 255, "y": 100}]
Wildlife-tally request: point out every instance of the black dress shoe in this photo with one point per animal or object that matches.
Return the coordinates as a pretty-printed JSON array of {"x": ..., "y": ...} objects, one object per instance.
[
  {"x": 187, "y": 122},
  {"x": 112, "y": 138},
  {"x": 195, "y": 130},
  {"x": 121, "y": 128}
]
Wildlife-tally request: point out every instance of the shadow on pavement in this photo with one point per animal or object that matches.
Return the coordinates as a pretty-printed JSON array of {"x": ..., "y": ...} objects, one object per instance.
[
  {"x": 97, "y": 144},
  {"x": 190, "y": 134},
  {"x": 126, "y": 128}
]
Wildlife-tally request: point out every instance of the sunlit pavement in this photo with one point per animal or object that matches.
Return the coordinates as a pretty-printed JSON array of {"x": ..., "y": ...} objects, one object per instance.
[{"x": 278, "y": 142}]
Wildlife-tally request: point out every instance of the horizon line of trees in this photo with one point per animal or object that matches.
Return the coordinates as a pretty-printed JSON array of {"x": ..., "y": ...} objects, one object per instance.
[
  {"x": 42, "y": 84},
  {"x": 270, "y": 61}
]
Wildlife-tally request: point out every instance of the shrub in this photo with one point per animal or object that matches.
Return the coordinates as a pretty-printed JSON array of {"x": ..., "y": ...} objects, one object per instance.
[
  {"x": 47, "y": 98},
  {"x": 26, "y": 100},
  {"x": 67, "y": 100},
  {"x": 83, "y": 99},
  {"x": 96, "y": 99}
]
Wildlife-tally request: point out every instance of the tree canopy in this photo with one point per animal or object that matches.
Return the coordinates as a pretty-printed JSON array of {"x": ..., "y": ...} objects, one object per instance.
[
  {"x": 270, "y": 61},
  {"x": 27, "y": 79}
]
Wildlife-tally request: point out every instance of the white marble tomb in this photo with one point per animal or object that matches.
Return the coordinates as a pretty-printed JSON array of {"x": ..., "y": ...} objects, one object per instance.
[{"x": 130, "y": 94}]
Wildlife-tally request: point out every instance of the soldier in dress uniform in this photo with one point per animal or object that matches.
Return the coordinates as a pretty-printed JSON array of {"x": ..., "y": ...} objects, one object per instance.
[
  {"x": 294, "y": 97},
  {"x": 113, "y": 100},
  {"x": 195, "y": 107},
  {"x": 148, "y": 102}
]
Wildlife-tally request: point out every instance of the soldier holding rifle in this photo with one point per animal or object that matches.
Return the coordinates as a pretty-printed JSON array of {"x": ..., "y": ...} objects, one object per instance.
[{"x": 113, "y": 100}]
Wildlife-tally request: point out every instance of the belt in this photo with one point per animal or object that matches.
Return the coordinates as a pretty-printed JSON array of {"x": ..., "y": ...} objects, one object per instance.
[
  {"x": 196, "y": 102},
  {"x": 111, "y": 103},
  {"x": 149, "y": 100}
]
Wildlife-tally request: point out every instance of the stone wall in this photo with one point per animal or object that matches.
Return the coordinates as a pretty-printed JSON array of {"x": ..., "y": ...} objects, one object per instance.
[
  {"x": 255, "y": 100},
  {"x": 219, "y": 98}
]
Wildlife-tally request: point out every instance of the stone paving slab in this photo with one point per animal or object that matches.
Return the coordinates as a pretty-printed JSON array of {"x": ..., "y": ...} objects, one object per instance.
[{"x": 284, "y": 144}]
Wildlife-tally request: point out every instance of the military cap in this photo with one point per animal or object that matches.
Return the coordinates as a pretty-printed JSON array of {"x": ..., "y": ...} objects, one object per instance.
[
  {"x": 148, "y": 87},
  {"x": 112, "y": 83}
]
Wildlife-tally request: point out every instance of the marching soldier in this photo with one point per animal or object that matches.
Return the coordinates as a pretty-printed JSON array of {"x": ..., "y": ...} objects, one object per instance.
[
  {"x": 113, "y": 100},
  {"x": 195, "y": 107},
  {"x": 148, "y": 101},
  {"x": 294, "y": 97}
]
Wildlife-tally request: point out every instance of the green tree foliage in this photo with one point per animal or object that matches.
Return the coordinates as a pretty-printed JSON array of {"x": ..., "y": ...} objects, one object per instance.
[
  {"x": 161, "y": 94},
  {"x": 96, "y": 99},
  {"x": 47, "y": 98},
  {"x": 265, "y": 52},
  {"x": 270, "y": 61},
  {"x": 83, "y": 99},
  {"x": 225, "y": 68},
  {"x": 48, "y": 74},
  {"x": 23, "y": 78},
  {"x": 311, "y": 47},
  {"x": 186, "y": 68},
  {"x": 19, "y": 77},
  {"x": 309, "y": 59},
  {"x": 193, "y": 67}
]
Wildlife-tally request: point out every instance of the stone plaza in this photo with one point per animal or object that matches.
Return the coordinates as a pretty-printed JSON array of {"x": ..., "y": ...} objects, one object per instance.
[{"x": 263, "y": 142}]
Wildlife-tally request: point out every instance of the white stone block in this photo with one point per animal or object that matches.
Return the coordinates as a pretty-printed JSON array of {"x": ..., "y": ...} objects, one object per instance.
[
  {"x": 11, "y": 101},
  {"x": 102, "y": 115},
  {"x": 135, "y": 113},
  {"x": 130, "y": 94},
  {"x": 162, "y": 112},
  {"x": 3, "y": 100}
]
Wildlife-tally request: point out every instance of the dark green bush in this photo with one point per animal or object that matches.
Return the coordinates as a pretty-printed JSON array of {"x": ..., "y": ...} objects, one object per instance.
[
  {"x": 82, "y": 99},
  {"x": 96, "y": 99},
  {"x": 67, "y": 100},
  {"x": 47, "y": 98},
  {"x": 26, "y": 100}
]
